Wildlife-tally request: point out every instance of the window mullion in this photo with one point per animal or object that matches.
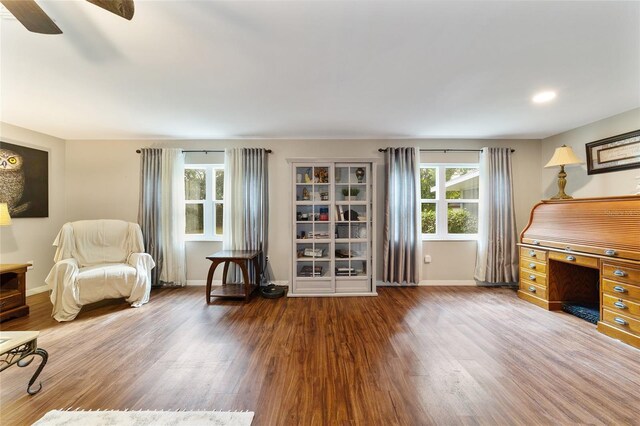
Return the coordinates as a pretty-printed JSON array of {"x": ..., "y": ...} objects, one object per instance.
[
  {"x": 442, "y": 205},
  {"x": 208, "y": 208}
]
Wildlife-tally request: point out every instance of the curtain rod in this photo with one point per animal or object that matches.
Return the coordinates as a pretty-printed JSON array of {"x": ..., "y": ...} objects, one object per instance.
[
  {"x": 445, "y": 150},
  {"x": 204, "y": 150}
]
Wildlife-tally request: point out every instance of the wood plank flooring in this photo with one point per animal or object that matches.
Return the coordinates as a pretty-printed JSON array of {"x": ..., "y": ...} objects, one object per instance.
[{"x": 411, "y": 356}]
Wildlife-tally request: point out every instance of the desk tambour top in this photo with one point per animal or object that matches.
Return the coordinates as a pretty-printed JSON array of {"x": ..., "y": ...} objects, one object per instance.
[{"x": 608, "y": 227}]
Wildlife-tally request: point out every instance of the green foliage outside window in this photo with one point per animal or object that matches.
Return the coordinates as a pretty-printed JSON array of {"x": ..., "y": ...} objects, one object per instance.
[{"x": 462, "y": 222}]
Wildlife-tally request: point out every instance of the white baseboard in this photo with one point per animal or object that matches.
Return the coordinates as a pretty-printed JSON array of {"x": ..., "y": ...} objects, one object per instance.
[
  {"x": 448, "y": 283},
  {"x": 434, "y": 283},
  {"x": 41, "y": 289},
  {"x": 219, "y": 282}
]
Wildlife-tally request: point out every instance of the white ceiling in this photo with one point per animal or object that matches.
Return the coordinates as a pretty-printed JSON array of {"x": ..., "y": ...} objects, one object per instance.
[{"x": 321, "y": 69}]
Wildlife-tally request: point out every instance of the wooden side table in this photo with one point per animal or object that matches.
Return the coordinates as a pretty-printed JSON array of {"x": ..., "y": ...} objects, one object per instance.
[
  {"x": 19, "y": 347},
  {"x": 13, "y": 289},
  {"x": 240, "y": 258}
]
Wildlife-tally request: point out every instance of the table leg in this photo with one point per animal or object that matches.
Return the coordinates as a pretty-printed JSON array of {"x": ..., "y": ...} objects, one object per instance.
[
  {"x": 224, "y": 273},
  {"x": 24, "y": 362},
  {"x": 245, "y": 277},
  {"x": 257, "y": 266},
  {"x": 212, "y": 268}
]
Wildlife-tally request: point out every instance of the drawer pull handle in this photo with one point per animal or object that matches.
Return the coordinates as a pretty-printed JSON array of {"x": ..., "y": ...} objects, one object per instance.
[
  {"x": 532, "y": 253},
  {"x": 532, "y": 289},
  {"x": 536, "y": 242},
  {"x": 619, "y": 273},
  {"x": 619, "y": 289},
  {"x": 532, "y": 277},
  {"x": 620, "y": 305},
  {"x": 620, "y": 321},
  {"x": 610, "y": 252},
  {"x": 571, "y": 258},
  {"x": 532, "y": 265}
]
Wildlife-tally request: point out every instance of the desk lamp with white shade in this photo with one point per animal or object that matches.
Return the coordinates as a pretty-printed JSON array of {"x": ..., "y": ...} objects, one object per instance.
[{"x": 563, "y": 156}]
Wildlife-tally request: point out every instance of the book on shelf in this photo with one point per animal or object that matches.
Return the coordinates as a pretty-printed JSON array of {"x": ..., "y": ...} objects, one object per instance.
[{"x": 310, "y": 271}]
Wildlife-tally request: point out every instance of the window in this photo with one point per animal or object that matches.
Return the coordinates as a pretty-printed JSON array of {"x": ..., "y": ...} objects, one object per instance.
[
  {"x": 449, "y": 201},
  {"x": 203, "y": 194}
]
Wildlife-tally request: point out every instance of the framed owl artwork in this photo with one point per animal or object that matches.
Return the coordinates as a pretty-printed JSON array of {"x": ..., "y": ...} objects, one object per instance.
[{"x": 24, "y": 180}]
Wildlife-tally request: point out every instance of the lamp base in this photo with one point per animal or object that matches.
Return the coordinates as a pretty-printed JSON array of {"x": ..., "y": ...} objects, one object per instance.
[
  {"x": 562, "y": 182},
  {"x": 562, "y": 196}
]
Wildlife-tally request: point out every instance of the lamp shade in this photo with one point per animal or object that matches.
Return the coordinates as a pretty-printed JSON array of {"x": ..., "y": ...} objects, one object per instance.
[
  {"x": 563, "y": 157},
  {"x": 5, "y": 219}
]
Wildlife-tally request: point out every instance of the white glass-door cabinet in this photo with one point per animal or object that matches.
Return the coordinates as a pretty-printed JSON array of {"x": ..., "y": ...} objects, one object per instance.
[{"x": 333, "y": 216}]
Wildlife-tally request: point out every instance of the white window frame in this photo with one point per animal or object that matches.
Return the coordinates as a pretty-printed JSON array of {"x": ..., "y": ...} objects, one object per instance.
[
  {"x": 209, "y": 203},
  {"x": 442, "y": 229}
]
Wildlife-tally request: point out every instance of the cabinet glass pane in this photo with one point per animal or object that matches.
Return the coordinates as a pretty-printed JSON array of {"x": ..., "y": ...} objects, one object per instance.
[{"x": 321, "y": 174}]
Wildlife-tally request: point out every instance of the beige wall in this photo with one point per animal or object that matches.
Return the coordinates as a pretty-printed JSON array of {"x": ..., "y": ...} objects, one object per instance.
[
  {"x": 99, "y": 179},
  {"x": 102, "y": 182},
  {"x": 31, "y": 238},
  {"x": 579, "y": 183}
]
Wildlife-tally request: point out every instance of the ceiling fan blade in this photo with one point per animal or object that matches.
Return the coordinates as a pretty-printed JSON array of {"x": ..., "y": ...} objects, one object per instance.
[
  {"x": 31, "y": 16},
  {"x": 122, "y": 8}
]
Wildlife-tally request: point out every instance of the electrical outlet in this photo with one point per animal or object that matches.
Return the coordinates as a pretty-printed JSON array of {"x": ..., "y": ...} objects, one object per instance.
[
  {"x": 427, "y": 258},
  {"x": 30, "y": 267}
]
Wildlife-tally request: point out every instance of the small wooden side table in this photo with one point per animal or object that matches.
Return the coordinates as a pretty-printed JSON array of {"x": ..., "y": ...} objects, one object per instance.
[
  {"x": 240, "y": 258},
  {"x": 13, "y": 290},
  {"x": 19, "y": 347}
]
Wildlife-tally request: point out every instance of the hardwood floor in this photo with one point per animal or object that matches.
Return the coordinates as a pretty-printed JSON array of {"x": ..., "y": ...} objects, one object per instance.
[{"x": 410, "y": 356}]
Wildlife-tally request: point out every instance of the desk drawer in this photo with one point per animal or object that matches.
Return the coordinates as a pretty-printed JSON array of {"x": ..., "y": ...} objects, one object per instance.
[
  {"x": 623, "y": 306},
  {"x": 535, "y": 277},
  {"x": 539, "y": 255},
  {"x": 621, "y": 272},
  {"x": 533, "y": 265},
  {"x": 626, "y": 291},
  {"x": 623, "y": 322},
  {"x": 589, "y": 262},
  {"x": 10, "y": 300},
  {"x": 533, "y": 289}
]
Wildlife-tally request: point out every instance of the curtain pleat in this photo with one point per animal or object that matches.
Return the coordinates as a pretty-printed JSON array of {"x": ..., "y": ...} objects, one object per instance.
[
  {"x": 497, "y": 252},
  {"x": 402, "y": 245},
  {"x": 172, "y": 223},
  {"x": 149, "y": 207},
  {"x": 246, "y": 204},
  {"x": 161, "y": 213}
]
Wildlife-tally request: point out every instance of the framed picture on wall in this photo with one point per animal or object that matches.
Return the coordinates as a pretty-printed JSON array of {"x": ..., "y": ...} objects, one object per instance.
[
  {"x": 619, "y": 152},
  {"x": 24, "y": 180}
]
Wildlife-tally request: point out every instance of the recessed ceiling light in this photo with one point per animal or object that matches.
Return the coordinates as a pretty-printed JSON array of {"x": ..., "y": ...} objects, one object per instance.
[{"x": 543, "y": 97}]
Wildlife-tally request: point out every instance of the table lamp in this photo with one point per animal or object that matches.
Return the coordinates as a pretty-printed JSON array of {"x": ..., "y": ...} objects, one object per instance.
[
  {"x": 5, "y": 218},
  {"x": 564, "y": 156}
]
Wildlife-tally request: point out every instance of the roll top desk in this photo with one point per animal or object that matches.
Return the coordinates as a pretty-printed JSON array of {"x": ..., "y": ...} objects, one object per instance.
[{"x": 586, "y": 251}]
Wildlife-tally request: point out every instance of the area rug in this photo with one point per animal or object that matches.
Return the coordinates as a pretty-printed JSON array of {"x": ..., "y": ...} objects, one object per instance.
[{"x": 143, "y": 418}]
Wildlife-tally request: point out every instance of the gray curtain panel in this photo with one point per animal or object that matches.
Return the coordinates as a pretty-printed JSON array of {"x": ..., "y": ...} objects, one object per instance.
[
  {"x": 149, "y": 207},
  {"x": 402, "y": 245},
  {"x": 256, "y": 202},
  {"x": 497, "y": 255},
  {"x": 246, "y": 204}
]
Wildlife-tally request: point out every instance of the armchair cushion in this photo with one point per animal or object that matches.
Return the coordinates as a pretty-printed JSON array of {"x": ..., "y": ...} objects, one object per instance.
[{"x": 96, "y": 260}]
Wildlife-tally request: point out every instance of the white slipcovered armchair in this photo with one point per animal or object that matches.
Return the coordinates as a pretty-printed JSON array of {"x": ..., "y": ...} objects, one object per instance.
[{"x": 97, "y": 260}]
